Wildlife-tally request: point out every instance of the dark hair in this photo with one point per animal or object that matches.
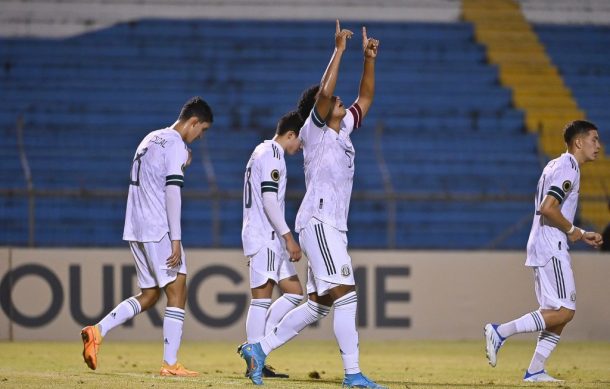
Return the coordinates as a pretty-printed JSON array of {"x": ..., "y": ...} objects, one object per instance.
[
  {"x": 197, "y": 107},
  {"x": 575, "y": 128},
  {"x": 307, "y": 101},
  {"x": 291, "y": 121}
]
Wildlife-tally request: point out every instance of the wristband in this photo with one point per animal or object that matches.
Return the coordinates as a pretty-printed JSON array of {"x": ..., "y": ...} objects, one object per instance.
[{"x": 571, "y": 230}]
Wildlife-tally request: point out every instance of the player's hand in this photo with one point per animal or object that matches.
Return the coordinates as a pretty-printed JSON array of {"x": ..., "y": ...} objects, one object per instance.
[
  {"x": 369, "y": 45},
  {"x": 341, "y": 37},
  {"x": 293, "y": 248},
  {"x": 175, "y": 259},
  {"x": 593, "y": 239}
]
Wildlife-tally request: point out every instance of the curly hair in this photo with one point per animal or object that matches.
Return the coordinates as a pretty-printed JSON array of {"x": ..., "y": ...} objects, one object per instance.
[{"x": 307, "y": 101}]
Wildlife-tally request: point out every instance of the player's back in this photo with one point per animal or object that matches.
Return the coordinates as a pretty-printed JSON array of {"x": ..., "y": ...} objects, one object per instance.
[
  {"x": 158, "y": 161},
  {"x": 265, "y": 172}
]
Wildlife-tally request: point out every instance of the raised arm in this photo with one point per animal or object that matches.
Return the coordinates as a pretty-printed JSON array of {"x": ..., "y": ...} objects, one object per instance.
[
  {"x": 367, "y": 82},
  {"x": 324, "y": 102}
]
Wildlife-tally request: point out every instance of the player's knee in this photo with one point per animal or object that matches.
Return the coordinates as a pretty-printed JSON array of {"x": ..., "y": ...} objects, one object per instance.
[
  {"x": 148, "y": 298},
  {"x": 568, "y": 315}
]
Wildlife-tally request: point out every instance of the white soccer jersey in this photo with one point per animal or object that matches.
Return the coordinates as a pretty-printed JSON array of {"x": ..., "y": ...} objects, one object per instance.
[
  {"x": 329, "y": 169},
  {"x": 265, "y": 172},
  {"x": 560, "y": 179},
  {"x": 159, "y": 161}
]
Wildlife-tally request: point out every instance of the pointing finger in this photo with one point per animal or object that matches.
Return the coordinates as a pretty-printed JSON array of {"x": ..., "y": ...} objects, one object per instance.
[
  {"x": 338, "y": 27},
  {"x": 364, "y": 38}
]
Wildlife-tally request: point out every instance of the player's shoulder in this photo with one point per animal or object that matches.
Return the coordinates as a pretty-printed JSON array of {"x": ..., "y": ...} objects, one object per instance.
[
  {"x": 565, "y": 162},
  {"x": 269, "y": 150}
]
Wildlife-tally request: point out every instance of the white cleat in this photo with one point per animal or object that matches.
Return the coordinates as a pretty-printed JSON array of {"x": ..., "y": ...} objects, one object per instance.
[
  {"x": 540, "y": 376},
  {"x": 493, "y": 342}
]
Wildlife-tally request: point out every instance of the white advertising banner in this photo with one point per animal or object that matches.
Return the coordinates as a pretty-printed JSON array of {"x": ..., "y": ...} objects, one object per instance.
[{"x": 50, "y": 294}]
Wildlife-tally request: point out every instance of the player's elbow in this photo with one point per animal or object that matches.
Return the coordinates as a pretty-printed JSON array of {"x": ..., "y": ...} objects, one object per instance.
[{"x": 547, "y": 210}]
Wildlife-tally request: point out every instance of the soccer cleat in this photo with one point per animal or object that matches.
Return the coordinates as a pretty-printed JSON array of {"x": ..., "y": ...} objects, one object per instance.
[
  {"x": 268, "y": 371},
  {"x": 91, "y": 344},
  {"x": 255, "y": 359},
  {"x": 540, "y": 376},
  {"x": 359, "y": 380},
  {"x": 493, "y": 342},
  {"x": 176, "y": 370}
]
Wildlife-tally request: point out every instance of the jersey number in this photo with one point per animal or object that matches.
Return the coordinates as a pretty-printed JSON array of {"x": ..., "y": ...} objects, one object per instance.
[
  {"x": 248, "y": 189},
  {"x": 135, "y": 171}
]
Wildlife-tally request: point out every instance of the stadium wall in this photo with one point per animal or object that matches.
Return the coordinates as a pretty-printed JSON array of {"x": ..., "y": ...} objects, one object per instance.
[{"x": 49, "y": 294}]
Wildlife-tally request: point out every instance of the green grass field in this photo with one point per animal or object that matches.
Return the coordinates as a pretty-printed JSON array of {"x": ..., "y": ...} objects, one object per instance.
[{"x": 404, "y": 364}]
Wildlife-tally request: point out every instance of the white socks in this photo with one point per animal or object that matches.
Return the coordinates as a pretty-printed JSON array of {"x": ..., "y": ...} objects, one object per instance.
[
  {"x": 344, "y": 325},
  {"x": 547, "y": 341},
  {"x": 120, "y": 314},
  {"x": 255, "y": 322},
  {"x": 292, "y": 324},
  {"x": 172, "y": 333},
  {"x": 280, "y": 308},
  {"x": 530, "y": 322}
]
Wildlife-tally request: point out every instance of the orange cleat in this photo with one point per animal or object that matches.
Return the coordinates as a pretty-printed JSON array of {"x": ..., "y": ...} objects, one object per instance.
[
  {"x": 176, "y": 370},
  {"x": 91, "y": 345}
]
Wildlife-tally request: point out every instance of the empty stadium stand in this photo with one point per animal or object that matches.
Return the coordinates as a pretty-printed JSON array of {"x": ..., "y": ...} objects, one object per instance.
[{"x": 449, "y": 130}]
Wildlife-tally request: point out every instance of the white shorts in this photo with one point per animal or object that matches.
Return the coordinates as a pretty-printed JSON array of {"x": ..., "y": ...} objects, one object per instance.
[
  {"x": 554, "y": 284},
  {"x": 151, "y": 266},
  {"x": 329, "y": 263},
  {"x": 270, "y": 263}
]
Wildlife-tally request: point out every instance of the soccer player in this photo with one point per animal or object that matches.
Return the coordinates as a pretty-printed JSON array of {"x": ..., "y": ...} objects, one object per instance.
[
  {"x": 267, "y": 240},
  {"x": 322, "y": 217},
  {"x": 152, "y": 228},
  {"x": 547, "y": 251}
]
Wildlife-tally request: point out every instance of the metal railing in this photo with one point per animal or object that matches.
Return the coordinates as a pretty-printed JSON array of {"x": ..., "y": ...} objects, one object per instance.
[{"x": 215, "y": 195}]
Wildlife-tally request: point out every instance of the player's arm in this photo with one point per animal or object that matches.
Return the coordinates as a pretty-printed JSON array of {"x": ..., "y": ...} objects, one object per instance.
[
  {"x": 324, "y": 101},
  {"x": 367, "y": 82},
  {"x": 551, "y": 211},
  {"x": 176, "y": 158},
  {"x": 272, "y": 209},
  {"x": 173, "y": 206}
]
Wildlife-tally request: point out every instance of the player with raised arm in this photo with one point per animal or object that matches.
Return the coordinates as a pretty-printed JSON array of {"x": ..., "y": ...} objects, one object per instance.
[
  {"x": 322, "y": 217},
  {"x": 152, "y": 228},
  {"x": 547, "y": 251},
  {"x": 267, "y": 240}
]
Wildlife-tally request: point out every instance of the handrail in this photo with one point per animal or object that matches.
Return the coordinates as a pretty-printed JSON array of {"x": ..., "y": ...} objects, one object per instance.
[
  {"x": 208, "y": 168},
  {"x": 387, "y": 185},
  {"x": 27, "y": 174}
]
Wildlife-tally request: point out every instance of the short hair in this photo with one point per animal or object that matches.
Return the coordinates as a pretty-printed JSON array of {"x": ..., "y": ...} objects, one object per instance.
[
  {"x": 197, "y": 107},
  {"x": 575, "y": 128},
  {"x": 307, "y": 101},
  {"x": 291, "y": 121}
]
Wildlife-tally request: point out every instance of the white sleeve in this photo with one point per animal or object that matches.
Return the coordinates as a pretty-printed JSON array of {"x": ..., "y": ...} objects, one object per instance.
[
  {"x": 274, "y": 213},
  {"x": 352, "y": 119},
  {"x": 173, "y": 204},
  {"x": 175, "y": 161},
  {"x": 562, "y": 181},
  {"x": 312, "y": 128}
]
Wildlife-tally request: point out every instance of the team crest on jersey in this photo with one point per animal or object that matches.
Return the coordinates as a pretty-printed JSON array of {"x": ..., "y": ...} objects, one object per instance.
[
  {"x": 345, "y": 271},
  {"x": 275, "y": 175},
  {"x": 573, "y": 296},
  {"x": 567, "y": 185}
]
